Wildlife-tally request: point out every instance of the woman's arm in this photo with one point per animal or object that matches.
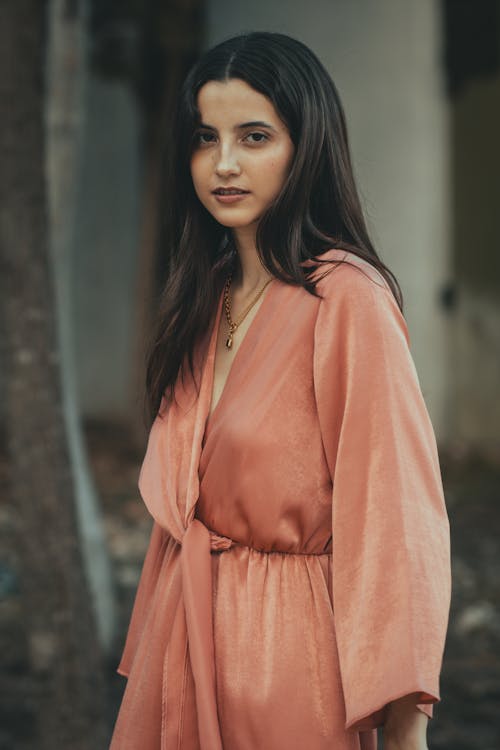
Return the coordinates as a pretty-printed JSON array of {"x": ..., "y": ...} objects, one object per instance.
[
  {"x": 405, "y": 727},
  {"x": 391, "y": 573}
]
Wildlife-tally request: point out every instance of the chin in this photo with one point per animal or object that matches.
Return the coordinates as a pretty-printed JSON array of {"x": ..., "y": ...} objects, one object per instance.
[{"x": 235, "y": 223}]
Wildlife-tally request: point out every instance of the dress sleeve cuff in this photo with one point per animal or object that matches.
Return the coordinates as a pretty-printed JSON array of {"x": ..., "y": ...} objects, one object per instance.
[{"x": 372, "y": 719}]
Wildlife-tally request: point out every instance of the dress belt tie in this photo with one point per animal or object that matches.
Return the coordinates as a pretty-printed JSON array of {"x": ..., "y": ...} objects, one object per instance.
[{"x": 197, "y": 544}]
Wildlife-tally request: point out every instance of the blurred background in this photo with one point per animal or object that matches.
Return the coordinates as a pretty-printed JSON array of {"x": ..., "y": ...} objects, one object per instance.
[{"x": 88, "y": 88}]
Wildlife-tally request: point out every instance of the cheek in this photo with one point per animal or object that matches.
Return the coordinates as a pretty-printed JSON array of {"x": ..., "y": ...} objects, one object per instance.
[
  {"x": 198, "y": 170},
  {"x": 274, "y": 171}
]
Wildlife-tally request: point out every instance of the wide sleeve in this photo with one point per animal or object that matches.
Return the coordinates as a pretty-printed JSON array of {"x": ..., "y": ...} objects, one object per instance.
[
  {"x": 391, "y": 582},
  {"x": 143, "y": 597}
]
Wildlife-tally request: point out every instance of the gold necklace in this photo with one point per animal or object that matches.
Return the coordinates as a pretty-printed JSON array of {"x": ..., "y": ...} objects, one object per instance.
[{"x": 233, "y": 325}]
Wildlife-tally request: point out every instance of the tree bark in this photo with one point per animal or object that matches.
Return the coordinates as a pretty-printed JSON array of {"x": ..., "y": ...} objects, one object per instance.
[{"x": 61, "y": 630}]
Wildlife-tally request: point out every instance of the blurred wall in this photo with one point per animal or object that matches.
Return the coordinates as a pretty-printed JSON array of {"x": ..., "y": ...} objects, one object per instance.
[
  {"x": 105, "y": 250},
  {"x": 138, "y": 53},
  {"x": 476, "y": 194},
  {"x": 385, "y": 59}
]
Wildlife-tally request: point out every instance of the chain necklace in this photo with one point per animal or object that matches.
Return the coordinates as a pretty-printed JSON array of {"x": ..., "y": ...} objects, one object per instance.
[{"x": 233, "y": 325}]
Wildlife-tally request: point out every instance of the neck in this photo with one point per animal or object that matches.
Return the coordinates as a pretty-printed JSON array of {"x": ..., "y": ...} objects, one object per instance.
[{"x": 249, "y": 274}]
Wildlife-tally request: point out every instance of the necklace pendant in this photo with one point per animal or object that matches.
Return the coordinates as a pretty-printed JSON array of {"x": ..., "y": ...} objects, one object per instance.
[{"x": 229, "y": 341}]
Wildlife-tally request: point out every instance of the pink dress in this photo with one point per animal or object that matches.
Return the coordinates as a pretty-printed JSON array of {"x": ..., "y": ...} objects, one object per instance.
[{"x": 298, "y": 577}]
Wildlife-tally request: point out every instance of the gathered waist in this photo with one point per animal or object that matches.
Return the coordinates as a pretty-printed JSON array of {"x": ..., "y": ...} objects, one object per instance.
[{"x": 221, "y": 543}]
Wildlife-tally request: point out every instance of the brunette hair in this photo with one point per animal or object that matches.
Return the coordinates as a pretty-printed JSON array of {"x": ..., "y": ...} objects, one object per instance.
[{"x": 318, "y": 207}]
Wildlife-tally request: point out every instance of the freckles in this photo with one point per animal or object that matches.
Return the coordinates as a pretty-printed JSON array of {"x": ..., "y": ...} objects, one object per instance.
[{"x": 271, "y": 165}]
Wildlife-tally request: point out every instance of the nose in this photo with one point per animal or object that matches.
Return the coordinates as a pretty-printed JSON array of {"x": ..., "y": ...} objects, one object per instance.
[{"x": 226, "y": 162}]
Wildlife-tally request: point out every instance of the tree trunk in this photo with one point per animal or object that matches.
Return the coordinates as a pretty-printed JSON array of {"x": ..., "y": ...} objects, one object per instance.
[{"x": 59, "y": 621}]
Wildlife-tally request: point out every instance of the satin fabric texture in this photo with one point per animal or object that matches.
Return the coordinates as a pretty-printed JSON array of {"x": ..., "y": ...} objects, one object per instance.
[{"x": 298, "y": 573}]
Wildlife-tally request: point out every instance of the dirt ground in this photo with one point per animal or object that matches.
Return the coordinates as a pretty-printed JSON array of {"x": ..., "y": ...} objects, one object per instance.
[{"x": 468, "y": 716}]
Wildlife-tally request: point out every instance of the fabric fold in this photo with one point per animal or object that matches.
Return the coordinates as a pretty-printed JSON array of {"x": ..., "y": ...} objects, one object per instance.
[{"x": 197, "y": 592}]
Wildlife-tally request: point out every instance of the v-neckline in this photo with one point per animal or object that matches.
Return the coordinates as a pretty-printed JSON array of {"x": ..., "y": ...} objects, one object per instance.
[{"x": 213, "y": 347}]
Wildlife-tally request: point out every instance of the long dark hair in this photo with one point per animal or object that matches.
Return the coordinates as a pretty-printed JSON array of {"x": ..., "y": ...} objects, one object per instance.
[{"x": 318, "y": 207}]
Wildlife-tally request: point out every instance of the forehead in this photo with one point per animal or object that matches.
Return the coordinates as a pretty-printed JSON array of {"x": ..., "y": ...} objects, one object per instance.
[{"x": 233, "y": 99}]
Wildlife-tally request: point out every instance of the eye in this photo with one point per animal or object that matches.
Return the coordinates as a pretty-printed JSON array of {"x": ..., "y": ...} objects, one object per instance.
[
  {"x": 201, "y": 135},
  {"x": 261, "y": 137}
]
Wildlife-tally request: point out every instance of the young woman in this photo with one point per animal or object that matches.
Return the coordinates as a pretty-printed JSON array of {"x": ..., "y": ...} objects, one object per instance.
[{"x": 295, "y": 593}]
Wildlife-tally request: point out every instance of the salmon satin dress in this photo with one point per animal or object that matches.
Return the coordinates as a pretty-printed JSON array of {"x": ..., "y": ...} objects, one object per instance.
[{"x": 297, "y": 578}]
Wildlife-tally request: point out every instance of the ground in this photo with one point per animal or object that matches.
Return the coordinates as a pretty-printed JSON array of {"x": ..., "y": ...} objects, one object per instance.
[{"x": 467, "y": 717}]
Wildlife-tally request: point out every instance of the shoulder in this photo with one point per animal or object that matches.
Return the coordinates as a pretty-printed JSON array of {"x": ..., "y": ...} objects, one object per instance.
[
  {"x": 347, "y": 280},
  {"x": 345, "y": 270},
  {"x": 356, "y": 296}
]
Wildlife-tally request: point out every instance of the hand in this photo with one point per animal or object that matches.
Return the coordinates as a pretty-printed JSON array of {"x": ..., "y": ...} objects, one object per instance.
[{"x": 405, "y": 727}]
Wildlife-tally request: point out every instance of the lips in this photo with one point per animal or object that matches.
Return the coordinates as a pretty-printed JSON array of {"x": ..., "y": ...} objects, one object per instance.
[{"x": 229, "y": 191}]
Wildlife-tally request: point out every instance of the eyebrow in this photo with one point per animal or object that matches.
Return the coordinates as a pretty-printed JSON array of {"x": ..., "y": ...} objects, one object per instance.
[{"x": 252, "y": 124}]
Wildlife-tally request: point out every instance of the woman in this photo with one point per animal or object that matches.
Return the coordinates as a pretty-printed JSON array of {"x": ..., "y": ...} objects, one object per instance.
[{"x": 295, "y": 592}]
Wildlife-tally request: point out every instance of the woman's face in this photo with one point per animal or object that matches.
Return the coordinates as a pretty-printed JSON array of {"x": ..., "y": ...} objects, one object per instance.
[{"x": 241, "y": 143}]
